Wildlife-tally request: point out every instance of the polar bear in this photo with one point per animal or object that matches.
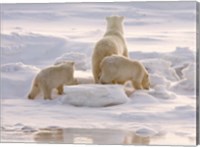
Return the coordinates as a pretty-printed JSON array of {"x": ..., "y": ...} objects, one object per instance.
[
  {"x": 53, "y": 77},
  {"x": 112, "y": 42},
  {"x": 119, "y": 69}
]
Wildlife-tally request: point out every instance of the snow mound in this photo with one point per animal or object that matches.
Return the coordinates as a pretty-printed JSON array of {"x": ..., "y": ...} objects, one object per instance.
[
  {"x": 187, "y": 84},
  {"x": 156, "y": 79},
  {"x": 80, "y": 59},
  {"x": 189, "y": 72},
  {"x": 141, "y": 97},
  {"x": 182, "y": 55},
  {"x": 161, "y": 67},
  {"x": 15, "y": 67},
  {"x": 94, "y": 95},
  {"x": 146, "y": 132},
  {"x": 30, "y": 47},
  {"x": 179, "y": 57},
  {"x": 161, "y": 92}
]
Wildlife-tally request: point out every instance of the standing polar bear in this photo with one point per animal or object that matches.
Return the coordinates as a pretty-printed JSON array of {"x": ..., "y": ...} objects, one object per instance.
[
  {"x": 119, "y": 69},
  {"x": 112, "y": 42},
  {"x": 53, "y": 77}
]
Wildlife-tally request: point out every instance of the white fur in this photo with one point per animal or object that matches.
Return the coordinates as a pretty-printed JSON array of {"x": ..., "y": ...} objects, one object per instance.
[
  {"x": 112, "y": 42},
  {"x": 119, "y": 69},
  {"x": 52, "y": 77}
]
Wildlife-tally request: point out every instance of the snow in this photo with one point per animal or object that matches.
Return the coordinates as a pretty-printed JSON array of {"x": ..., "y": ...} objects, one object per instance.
[
  {"x": 156, "y": 80},
  {"x": 161, "y": 92},
  {"x": 161, "y": 67},
  {"x": 94, "y": 95},
  {"x": 145, "y": 131},
  {"x": 35, "y": 36},
  {"x": 80, "y": 60},
  {"x": 141, "y": 97},
  {"x": 17, "y": 67},
  {"x": 187, "y": 84}
]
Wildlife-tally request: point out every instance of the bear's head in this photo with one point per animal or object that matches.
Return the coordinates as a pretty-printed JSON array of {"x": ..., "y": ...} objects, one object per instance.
[
  {"x": 115, "y": 23},
  {"x": 67, "y": 66},
  {"x": 146, "y": 81}
]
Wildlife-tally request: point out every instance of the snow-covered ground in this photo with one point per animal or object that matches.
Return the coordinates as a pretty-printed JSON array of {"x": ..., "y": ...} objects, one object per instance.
[{"x": 160, "y": 35}]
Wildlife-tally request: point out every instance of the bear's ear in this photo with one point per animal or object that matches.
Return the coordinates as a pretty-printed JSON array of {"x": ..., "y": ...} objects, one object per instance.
[
  {"x": 72, "y": 63},
  {"x": 107, "y": 18},
  {"x": 121, "y": 18}
]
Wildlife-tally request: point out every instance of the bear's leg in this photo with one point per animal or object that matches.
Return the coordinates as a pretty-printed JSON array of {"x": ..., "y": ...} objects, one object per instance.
[
  {"x": 125, "y": 53},
  {"x": 120, "y": 82},
  {"x": 35, "y": 90},
  {"x": 114, "y": 82},
  {"x": 46, "y": 91},
  {"x": 60, "y": 89},
  {"x": 137, "y": 85},
  {"x": 96, "y": 71}
]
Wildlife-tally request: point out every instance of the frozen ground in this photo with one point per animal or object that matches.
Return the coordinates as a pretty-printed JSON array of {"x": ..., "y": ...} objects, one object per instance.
[{"x": 35, "y": 36}]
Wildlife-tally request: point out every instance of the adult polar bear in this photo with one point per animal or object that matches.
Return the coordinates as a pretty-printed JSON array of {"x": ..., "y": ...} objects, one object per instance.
[{"x": 112, "y": 42}]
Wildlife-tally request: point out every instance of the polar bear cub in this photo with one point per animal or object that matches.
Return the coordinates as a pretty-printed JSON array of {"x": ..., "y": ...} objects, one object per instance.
[
  {"x": 119, "y": 69},
  {"x": 112, "y": 42},
  {"x": 53, "y": 77}
]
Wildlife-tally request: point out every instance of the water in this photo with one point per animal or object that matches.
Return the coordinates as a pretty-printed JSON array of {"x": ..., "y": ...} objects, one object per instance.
[{"x": 93, "y": 136}]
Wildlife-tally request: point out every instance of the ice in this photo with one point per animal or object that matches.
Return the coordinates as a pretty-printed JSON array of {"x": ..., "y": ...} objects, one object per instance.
[
  {"x": 94, "y": 95},
  {"x": 181, "y": 56},
  {"x": 141, "y": 97},
  {"x": 80, "y": 59},
  {"x": 162, "y": 93},
  {"x": 187, "y": 84},
  {"x": 18, "y": 67},
  {"x": 39, "y": 49},
  {"x": 161, "y": 67},
  {"x": 188, "y": 72},
  {"x": 146, "y": 131},
  {"x": 156, "y": 79}
]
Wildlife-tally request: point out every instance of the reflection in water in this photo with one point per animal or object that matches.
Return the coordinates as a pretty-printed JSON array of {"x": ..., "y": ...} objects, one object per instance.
[{"x": 89, "y": 136}]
